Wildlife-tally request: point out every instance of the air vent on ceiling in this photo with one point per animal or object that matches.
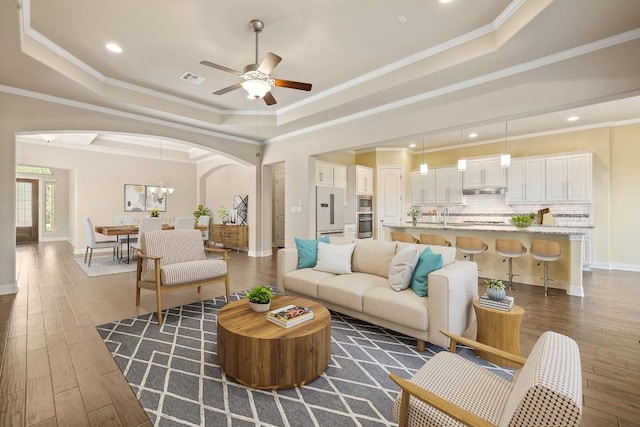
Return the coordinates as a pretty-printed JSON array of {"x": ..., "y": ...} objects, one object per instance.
[{"x": 192, "y": 78}]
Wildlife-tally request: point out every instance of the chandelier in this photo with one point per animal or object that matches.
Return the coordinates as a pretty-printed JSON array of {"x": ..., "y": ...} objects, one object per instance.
[{"x": 162, "y": 190}]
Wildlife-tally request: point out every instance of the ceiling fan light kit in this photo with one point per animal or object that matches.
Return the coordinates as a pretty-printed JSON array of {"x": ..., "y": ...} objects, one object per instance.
[{"x": 257, "y": 80}]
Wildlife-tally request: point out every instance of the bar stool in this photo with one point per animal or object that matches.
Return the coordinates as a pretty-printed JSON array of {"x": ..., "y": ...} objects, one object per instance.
[
  {"x": 434, "y": 239},
  {"x": 403, "y": 236},
  {"x": 510, "y": 249},
  {"x": 470, "y": 245},
  {"x": 545, "y": 251}
]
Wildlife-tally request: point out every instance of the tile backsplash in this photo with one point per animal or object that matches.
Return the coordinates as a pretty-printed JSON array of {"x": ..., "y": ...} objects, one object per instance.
[{"x": 493, "y": 207}]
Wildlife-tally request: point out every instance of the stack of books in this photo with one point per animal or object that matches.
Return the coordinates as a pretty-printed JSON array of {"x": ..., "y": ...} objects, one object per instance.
[
  {"x": 505, "y": 305},
  {"x": 290, "y": 315}
]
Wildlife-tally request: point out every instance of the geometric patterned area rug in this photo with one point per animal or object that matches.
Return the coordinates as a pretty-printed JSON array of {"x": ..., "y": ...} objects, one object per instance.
[
  {"x": 173, "y": 371},
  {"x": 104, "y": 265}
]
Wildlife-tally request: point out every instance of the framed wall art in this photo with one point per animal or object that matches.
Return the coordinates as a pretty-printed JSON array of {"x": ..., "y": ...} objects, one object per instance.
[
  {"x": 135, "y": 197},
  {"x": 154, "y": 199}
]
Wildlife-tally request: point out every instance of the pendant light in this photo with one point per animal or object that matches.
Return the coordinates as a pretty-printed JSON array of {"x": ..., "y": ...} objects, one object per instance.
[
  {"x": 424, "y": 167},
  {"x": 162, "y": 190},
  {"x": 505, "y": 158},
  {"x": 462, "y": 162}
]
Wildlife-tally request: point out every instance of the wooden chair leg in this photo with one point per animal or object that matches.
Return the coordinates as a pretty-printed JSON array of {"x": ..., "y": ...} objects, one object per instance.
[
  {"x": 137, "y": 295},
  {"x": 226, "y": 288},
  {"x": 159, "y": 306},
  {"x": 421, "y": 345},
  {"x": 199, "y": 287},
  {"x": 404, "y": 408}
]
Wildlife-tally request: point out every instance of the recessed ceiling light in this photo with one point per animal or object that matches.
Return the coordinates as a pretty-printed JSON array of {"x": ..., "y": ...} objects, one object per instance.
[
  {"x": 444, "y": 1},
  {"x": 113, "y": 47},
  {"x": 412, "y": 145},
  {"x": 402, "y": 19},
  {"x": 572, "y": 118},
  {"x": 473, "y": 135}
]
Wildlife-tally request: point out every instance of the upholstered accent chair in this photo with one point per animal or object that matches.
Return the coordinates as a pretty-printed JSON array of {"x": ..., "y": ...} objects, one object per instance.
[
  {"x": 172, "y": 260},
  {"x": 451, "y": 390}
]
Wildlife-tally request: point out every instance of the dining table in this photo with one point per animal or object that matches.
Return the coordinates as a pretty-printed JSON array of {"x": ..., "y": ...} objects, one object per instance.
[{"x": 132, "y": 229}]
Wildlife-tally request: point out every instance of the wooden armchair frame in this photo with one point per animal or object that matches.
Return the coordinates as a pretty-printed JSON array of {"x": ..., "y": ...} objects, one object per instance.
[
  {"x": 157, "y": 286},
  {"x": 437, "y": 402}
]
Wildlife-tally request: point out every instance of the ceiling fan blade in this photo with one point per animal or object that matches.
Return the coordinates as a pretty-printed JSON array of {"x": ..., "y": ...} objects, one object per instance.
[
  {"x": 293, "y": 85},
  {"x": 228, "y": 89},
  {"x": 270, "y": 61},
  {"x": 269, "y": 99},
  {"x": 221, "y": 67}
]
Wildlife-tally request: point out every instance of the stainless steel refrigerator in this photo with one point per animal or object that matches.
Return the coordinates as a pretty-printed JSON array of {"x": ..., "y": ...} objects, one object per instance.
[{"x": 329, "y": 210}]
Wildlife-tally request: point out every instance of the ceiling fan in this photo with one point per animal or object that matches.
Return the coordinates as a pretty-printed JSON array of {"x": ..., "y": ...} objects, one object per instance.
[{"x": 257, "y": 80}]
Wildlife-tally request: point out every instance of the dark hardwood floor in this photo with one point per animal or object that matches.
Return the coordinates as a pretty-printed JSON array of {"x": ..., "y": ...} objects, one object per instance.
[{"x": 56, "y": 370}]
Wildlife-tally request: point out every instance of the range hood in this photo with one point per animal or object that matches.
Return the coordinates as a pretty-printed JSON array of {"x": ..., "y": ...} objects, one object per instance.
[{"x": 484, "y": 190}]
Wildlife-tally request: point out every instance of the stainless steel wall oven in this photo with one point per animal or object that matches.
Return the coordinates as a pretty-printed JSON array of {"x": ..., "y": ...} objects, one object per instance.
[{"x": 365, "y": 225}]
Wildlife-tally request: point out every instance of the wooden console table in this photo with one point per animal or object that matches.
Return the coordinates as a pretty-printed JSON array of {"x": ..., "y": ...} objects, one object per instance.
[
  {"x": 499, "y": 329},
  {"x": 230, "y": 234}
]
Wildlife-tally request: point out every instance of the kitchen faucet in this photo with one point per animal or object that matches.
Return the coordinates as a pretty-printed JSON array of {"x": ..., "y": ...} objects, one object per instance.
[{"x": 445, "y": 213}]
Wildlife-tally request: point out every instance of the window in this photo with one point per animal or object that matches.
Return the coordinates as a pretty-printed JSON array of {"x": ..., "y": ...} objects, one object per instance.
[
  {"x": 23, "y": 204},
  {"x": 49, "y": 206},
  {"x": 37, "y": 170}
]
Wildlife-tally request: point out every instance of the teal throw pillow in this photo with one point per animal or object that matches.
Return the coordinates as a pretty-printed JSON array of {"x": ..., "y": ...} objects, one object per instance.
[
  {"x": 308, "y": 251},
  {"x": 427, "y": 262}
]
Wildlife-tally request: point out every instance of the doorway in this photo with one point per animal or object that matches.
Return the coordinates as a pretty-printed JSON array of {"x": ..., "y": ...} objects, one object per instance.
[
  {"x": 390, "y": 193},
  {"x": 279, "y": 209},
  {"x": 27, "y": 208}
]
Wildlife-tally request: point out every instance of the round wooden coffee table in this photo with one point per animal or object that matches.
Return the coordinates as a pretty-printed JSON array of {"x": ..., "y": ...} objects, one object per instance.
[
  {"x": 499, "y": 329},
  {"x": 260, "y": 354}
]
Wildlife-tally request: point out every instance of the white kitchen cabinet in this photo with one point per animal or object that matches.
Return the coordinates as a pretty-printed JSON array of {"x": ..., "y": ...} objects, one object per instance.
[
  {"x": 339, "y": 176},
  {"x": 587, "y": 251},
  {"x": 424, "y": 188},
  {"x": 568, "y": 178},
  {"x": 364, "y": 180},
  {"x": 485, "y": 172},
  {"x": 448, "y": 186},
  {"x": 526, "y": 181},
  {"x": 324, "y": 174},
  {"x": 331, "y": 175}
]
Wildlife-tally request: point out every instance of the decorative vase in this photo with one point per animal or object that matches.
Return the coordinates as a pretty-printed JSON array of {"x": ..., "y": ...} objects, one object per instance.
[
  {"x": 260, "y": 308},
  {"x": 496, "y": 294},
  {"x": 414, "y": 221}
]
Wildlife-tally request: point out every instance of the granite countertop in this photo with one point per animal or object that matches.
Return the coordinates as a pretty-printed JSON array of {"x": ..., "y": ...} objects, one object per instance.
[{"x": 539, "y": 229}]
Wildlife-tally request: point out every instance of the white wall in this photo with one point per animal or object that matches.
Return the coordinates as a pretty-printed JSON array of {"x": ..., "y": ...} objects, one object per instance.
[
  {"x": 224, "y": 183},
  {"x": 99, "y": 181}
]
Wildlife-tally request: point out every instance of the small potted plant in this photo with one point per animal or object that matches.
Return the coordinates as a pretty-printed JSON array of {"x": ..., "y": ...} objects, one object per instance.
[
  {"x": 201, "y": 210},
  {"x": 414, "y": 213},
  {"x": 154, "y": 213},
  {"x": 223, "y": 214},
  {"x": 495, "y": 289},
  {"x": 260, "y": 298}
]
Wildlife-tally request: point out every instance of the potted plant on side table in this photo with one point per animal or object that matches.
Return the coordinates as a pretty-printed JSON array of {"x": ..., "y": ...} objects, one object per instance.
[
  {"x": 260, "y": 298},
  {"x": 495, "y": 289}
]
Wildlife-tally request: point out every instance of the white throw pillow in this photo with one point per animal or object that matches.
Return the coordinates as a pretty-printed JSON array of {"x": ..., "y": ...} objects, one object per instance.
[
  {"x": 334, "y": 259},
  {"x": 401, "y": 268}
]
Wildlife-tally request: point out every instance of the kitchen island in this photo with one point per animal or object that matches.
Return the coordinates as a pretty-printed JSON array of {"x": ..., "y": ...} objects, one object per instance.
[{"x": 566, "y": 272}]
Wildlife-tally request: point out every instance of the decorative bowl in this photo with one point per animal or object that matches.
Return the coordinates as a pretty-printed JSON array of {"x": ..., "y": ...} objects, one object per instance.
[{"x": 522, "y": 221}]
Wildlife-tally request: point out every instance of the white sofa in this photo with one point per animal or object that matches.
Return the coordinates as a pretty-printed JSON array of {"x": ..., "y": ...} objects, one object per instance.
[{"x": 365, "y": 293}]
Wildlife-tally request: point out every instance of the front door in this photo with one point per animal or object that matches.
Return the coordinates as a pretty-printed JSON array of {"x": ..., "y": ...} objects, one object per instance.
[
  {"x": 390, "y": 195},
  {"x": 26, "y": 210}
]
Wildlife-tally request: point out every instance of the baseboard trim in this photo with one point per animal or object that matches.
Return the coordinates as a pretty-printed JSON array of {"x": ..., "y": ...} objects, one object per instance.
[
  {"x": 260, "y": 254},
  {"x": 9, "y": 288},
  {"x": 616, "y": 266}
]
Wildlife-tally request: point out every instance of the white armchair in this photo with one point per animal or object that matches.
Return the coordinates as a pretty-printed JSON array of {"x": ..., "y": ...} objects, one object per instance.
[{"x": 450, "y": 388}]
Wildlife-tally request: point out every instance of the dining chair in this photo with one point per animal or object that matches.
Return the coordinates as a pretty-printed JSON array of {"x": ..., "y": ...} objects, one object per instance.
[
  {"x": 92, "y": 243},
  {"x": 146, "y": 224},
  {"x": 205, "y": 220},
  {"x": 184, "y": 223},
  {"x": 124, "y": 239}
]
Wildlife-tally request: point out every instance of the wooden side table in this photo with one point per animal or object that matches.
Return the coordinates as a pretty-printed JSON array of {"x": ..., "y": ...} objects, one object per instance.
[{"x": 499, "y": 329}]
